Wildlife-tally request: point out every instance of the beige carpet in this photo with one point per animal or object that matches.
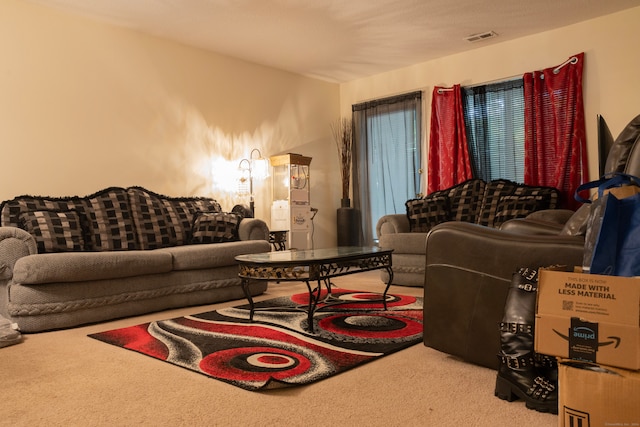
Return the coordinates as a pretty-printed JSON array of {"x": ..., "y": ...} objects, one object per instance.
[{"x": 64, "y": 378}]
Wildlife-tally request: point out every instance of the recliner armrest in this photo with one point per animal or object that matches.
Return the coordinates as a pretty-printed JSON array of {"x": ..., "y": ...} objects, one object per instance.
[
  {"x": 498, "y": 253},
  {"x": 531, "y": 226},
  {"x": 558, "y": 216}
]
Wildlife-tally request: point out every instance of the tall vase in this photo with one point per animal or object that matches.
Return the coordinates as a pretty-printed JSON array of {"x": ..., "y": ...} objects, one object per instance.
[{"x": 348, "y": 225}]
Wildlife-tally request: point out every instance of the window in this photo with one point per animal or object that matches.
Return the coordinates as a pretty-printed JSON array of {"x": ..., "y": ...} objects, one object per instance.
[
  {"x": 387, "y": 159},
  {"x": 494, "y": 122}
]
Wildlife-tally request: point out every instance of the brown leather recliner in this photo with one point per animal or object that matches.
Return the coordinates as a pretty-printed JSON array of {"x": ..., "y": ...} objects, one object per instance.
[{"x": 469, "y": 267}]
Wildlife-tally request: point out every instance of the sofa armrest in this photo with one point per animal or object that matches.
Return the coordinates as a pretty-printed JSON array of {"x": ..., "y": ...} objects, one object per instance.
[
  {"x": 392, "y": 223},
  {"x": 15, "y": 243},
  {"x": 253, "y": 229}
]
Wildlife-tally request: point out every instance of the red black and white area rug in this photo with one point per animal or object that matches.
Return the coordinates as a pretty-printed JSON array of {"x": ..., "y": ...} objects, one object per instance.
[{"x": 275, "y": 350}]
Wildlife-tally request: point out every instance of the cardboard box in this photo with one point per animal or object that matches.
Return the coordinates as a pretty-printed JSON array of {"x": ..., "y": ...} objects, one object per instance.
[
  {"x": 589, "y": 317},
  {"x": 593, "y": 395}
]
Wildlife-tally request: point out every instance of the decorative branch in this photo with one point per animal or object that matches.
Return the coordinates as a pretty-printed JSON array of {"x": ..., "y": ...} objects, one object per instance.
[{"x": 342, "y": 130}]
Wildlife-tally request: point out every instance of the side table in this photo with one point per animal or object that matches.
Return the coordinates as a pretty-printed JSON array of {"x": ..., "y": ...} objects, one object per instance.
[{"x": 278, "y": 239}]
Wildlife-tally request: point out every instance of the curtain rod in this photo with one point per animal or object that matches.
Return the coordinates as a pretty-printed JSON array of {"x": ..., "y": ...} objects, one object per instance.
[
  {"x": 502, "y": 80},
  {"x": 573, "y": 60},
  {"x": 388, "y": 100}
]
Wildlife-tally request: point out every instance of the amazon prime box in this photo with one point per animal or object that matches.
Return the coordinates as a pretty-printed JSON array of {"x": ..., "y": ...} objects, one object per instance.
[
  {"x": 593, "y": 395},
  {"x": 589, "y": 317}
]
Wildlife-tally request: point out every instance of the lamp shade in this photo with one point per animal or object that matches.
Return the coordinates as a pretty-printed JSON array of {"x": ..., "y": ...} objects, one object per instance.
[{"x": 260, "y": 168}]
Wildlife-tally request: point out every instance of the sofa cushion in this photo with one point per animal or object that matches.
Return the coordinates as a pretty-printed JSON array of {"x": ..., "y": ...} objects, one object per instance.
[
  {"x": 154, "y": 227},
  {"x": 493, "y": 192},
  {"x": 182, "y": 210},
  {"x": 54, "y": 231},
  {"x": 163, "y": 221},
  {"x": 103, "y": 230},
  {"x": 547, "y": 197},
  {"x": 12, "y": 209},
  {"x": 88, "y": 266},
  {"x": 110, "y": 223},
  {"x": 427, "y": 212},
  {"x": 466, "y": 200},
  {"x": 511, "y": 207},
  {"x": 215, "y": 227},
  {"x": 197, "y": 257}
]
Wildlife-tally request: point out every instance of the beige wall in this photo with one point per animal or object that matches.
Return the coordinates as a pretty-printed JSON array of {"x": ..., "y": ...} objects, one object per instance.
[
  {"x": 611, "y": 81},
  {"x": 85, "y": 106}
]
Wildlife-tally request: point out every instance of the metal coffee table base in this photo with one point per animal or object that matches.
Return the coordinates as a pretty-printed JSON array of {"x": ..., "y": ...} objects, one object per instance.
[{"x": 318, "y": 266}]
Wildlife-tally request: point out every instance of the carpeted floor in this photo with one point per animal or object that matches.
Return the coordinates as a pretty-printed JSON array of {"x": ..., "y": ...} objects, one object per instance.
[
  {"x": 277, "y": 350},
  {"x": 64, "y": 378}
]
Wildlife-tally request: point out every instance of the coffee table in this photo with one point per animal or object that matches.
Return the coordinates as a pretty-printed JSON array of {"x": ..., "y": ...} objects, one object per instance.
[{"x": 315, "y": 265}]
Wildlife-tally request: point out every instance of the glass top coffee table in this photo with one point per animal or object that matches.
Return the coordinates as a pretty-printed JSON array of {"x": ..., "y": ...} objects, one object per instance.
[{"x": 315, "y": 265}]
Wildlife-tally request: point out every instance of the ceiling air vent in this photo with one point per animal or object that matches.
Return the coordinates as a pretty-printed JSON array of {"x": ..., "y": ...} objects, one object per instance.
[{"x": 481, "y": 36}]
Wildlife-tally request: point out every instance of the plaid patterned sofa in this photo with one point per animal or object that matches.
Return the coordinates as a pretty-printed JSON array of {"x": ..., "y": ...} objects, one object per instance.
[
  {"x": 119, "y": 252},
  {"x": 475, "y": 201}
]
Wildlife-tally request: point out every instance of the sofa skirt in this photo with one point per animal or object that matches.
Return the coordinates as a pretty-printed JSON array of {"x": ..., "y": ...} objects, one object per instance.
[{"x": 43, "y": 307}]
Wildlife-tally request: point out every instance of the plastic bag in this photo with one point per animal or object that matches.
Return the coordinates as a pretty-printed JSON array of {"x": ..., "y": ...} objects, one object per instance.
[{"x": 612, "y": 241}]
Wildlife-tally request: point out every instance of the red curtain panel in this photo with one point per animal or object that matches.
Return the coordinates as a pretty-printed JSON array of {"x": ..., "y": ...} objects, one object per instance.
[
  {"x": 555, "y": 136},
  {"x": 449, "y": 162}
]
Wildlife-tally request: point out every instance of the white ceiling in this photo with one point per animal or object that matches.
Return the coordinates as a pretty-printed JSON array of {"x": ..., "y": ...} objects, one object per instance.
[{"x": 339, "y": 40}]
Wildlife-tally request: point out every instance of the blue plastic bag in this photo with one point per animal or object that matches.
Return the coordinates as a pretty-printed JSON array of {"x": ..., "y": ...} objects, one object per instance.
[{"x": 612, "y": 242}]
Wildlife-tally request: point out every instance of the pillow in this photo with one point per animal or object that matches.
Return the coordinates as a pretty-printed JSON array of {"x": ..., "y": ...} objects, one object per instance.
[
  {"x": 493, "y": 191},
  {"x": 54, "y": 231},
  {"x": 153, "y": 223},
  {"x": 511, "y": 207},
  {"x": 182, "y": 211},
  {"x": 215, "y": 227},
  {"x": 466, "y": 200},
  {"x": 110, "y": 224},
  {"x": 425, "y": 213},
  {"x": 547, "y": 196}
]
